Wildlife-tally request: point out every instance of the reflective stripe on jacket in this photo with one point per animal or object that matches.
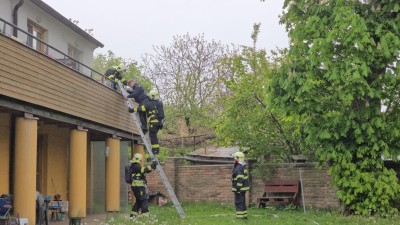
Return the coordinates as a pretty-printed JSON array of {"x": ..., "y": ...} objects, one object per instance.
[
  {"x": 240, "y": 178},
  {"x": 139, "y": 174}
]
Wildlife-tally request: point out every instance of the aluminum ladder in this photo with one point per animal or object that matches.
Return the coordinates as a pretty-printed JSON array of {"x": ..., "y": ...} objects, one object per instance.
[{"x": 147, "y": 143}]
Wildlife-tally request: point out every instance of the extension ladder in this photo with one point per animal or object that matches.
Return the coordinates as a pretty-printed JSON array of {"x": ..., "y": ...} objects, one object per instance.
[{"x": 146, "y": 142}]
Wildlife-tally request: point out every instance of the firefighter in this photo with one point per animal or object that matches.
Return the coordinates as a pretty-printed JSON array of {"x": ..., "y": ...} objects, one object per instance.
[
  {"x": 136, "y": 92},
  {"x": 155, "y": 113},
  {"x": 240, "y": 184},
  {"x": 138, "y": 185},
  {"x": 115, "y": 74}
]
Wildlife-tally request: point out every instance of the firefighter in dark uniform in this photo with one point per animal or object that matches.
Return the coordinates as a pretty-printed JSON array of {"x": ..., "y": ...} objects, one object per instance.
[
  {"x": 138, "y": 185},
  {"x": 155, "y": 114},
  {"x": 240, "y": 184},
  {"x": 115, "y": 74},
  {"x": 136, "y": 92}
]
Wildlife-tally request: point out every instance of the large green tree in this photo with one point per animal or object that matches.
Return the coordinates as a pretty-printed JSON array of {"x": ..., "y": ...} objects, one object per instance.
[{"x": 341, "y": 67}]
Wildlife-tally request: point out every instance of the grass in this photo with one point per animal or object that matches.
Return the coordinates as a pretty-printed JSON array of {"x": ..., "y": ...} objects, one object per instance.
[{"x": 213, "y": 213}]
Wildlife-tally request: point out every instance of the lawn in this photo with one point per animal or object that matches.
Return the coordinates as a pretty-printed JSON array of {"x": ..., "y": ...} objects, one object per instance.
[{"x": 211, "y": 213}]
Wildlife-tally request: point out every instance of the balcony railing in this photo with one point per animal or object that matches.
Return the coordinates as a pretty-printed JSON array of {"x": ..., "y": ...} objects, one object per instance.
[{"x": 54, "y": 53}]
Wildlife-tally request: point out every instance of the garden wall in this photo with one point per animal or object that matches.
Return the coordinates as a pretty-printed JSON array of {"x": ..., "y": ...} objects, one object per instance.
[{"x": 212, "y": 183}]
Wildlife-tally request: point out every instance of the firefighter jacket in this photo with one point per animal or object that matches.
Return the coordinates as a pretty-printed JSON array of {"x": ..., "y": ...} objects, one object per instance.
[
  {"x": 137, "y": 93},
  {"x": 115, "y": 75},
  {"x": 154, "y": 109},
  {"x": 240, "y": 179},
  {"x": 138, "y": 174}
]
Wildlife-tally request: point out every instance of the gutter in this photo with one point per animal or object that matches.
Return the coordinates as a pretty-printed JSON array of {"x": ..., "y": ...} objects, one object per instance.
[{"x": 15, "y": 17}]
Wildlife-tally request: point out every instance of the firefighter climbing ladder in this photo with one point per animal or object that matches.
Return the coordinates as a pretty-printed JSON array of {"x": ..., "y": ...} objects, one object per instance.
[{"x": 146, "y": 142}]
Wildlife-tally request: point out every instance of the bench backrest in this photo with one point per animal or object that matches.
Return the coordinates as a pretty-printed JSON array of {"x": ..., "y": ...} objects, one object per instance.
[{"x": 282, "y": 186}]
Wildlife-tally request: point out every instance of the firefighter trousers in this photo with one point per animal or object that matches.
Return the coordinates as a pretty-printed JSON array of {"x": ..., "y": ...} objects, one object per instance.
[{"x": 240, "y": 205}]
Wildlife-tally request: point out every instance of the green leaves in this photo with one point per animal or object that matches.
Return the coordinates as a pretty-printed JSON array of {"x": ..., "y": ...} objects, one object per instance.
[{"x": 343, "y": 63}]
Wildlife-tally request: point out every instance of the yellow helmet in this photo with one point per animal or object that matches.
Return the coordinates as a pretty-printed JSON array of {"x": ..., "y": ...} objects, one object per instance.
[
  {"x": 153, "y": 94},
  {"x": 137, "y": 157},
  {"x": 238, "y": 156}
]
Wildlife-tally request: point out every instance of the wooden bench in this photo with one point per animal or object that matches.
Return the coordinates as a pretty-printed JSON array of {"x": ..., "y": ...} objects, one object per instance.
[{"x": 280, "y": 192}]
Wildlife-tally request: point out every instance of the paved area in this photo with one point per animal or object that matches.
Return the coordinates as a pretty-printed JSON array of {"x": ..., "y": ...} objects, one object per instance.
[{"x": 89, "y": 220}]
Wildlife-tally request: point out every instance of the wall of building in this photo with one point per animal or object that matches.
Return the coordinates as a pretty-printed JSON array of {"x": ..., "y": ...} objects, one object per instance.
[
  {"x": 6, "y": 9},
  {"x": 57, "y": 34},
  {"x": 53, "y": 160},
  {"x": 213, "y": 182},
  {"x": 5, "y": 126}
]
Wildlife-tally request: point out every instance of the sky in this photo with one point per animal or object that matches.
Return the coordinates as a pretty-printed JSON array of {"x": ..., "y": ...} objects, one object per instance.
[{"x": 130, "y": 28}]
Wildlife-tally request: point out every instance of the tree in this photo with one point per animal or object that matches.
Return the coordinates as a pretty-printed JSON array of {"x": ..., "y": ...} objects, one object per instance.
[
  {"x": 247, "y": 119},
  {"x": 342, "y": 65},
  {"x": 188, "y": 74},
  {"x": 102, "y": 62}
]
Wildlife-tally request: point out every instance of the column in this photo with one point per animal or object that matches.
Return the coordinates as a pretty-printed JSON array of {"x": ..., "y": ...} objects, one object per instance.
[
  {"x": 25, "y": 167},
  {"x": 77, "y": 173}
]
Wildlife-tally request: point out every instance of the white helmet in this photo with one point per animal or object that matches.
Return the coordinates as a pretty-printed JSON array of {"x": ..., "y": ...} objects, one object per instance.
[
  {"x": 153, "y": 94},
  {"x": 122, "y": 67},
  {"x": 238, "y": 156}
]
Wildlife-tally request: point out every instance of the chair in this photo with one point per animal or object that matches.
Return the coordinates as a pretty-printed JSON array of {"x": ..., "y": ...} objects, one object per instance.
[{"x": 55, "y": 210}]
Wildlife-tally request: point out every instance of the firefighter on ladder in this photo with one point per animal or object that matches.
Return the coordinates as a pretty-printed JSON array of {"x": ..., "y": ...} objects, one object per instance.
[
  {"x": 115, "y": 74},
  {"x": 138, "y": 185},
  {"x": 240, "y": 184},
  {"x": 155, "y": 116},
  {"x": 138, "y": 94}
]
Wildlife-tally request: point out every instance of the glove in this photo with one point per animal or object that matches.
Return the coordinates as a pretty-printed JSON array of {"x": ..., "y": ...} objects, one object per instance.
[
  {"x": 154, "y": 164},
  {"x": 131, "y": 110}
]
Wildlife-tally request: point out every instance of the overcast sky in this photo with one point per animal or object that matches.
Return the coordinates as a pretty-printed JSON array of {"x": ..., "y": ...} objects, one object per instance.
[{"x": 131, "y": 28}]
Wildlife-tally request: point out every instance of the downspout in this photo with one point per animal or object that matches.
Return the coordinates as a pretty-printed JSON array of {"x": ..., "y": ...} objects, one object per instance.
[{"x": 15, "y": 16}]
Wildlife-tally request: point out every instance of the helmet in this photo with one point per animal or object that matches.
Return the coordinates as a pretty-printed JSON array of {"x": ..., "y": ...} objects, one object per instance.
[
  {"x": 137, "y": 157},
  {"x": 121, "y": 67},
  {"x": 238, "y": 156},
  {"x": 153, "y": 94}
]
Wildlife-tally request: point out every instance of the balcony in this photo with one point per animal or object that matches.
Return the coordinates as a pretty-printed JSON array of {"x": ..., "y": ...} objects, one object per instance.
[{"x": 31, "y": 78}]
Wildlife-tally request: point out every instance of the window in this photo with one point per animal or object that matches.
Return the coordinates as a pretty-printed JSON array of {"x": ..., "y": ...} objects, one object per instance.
[
  {"x": 73, "y": 53},
  {"x": 37, "y": 32}
]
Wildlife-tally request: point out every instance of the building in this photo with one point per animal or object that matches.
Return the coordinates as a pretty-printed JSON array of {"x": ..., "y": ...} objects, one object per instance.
[{"x": 62, "y": 129}]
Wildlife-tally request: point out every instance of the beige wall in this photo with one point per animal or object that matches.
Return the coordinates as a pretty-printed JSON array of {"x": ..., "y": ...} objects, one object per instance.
[
  {"x": 54, "y": 160},
  {"x": 5, "y": 125}
]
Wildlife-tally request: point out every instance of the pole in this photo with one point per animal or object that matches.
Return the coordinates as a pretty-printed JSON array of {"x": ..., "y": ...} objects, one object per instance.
[{"x": 302, "y": 192}]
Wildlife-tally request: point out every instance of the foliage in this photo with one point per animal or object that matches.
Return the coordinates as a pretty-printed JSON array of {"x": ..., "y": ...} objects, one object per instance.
[
  {"x": 215, "y": 213},
  {"x": 247, "y": 119},
  {"x": 102, "y": 62},
  {"x": 342, "y": 65},
  {"x": 188, "y": 75}
]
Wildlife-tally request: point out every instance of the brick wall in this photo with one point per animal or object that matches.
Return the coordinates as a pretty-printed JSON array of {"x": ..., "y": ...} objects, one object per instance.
[{"x": 213, "y": 182}]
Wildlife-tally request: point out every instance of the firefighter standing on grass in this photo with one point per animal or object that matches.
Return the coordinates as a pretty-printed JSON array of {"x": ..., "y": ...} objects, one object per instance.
[
  {"x": 240, "y": 184},
  {"x": 155, "y": 116},
  {"x": 138, "y": 185},
  {"x": 115, "y": 74}
]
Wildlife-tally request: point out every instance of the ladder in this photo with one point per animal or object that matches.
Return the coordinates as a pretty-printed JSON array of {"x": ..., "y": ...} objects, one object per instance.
[{"x": 146, "y": 142}]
